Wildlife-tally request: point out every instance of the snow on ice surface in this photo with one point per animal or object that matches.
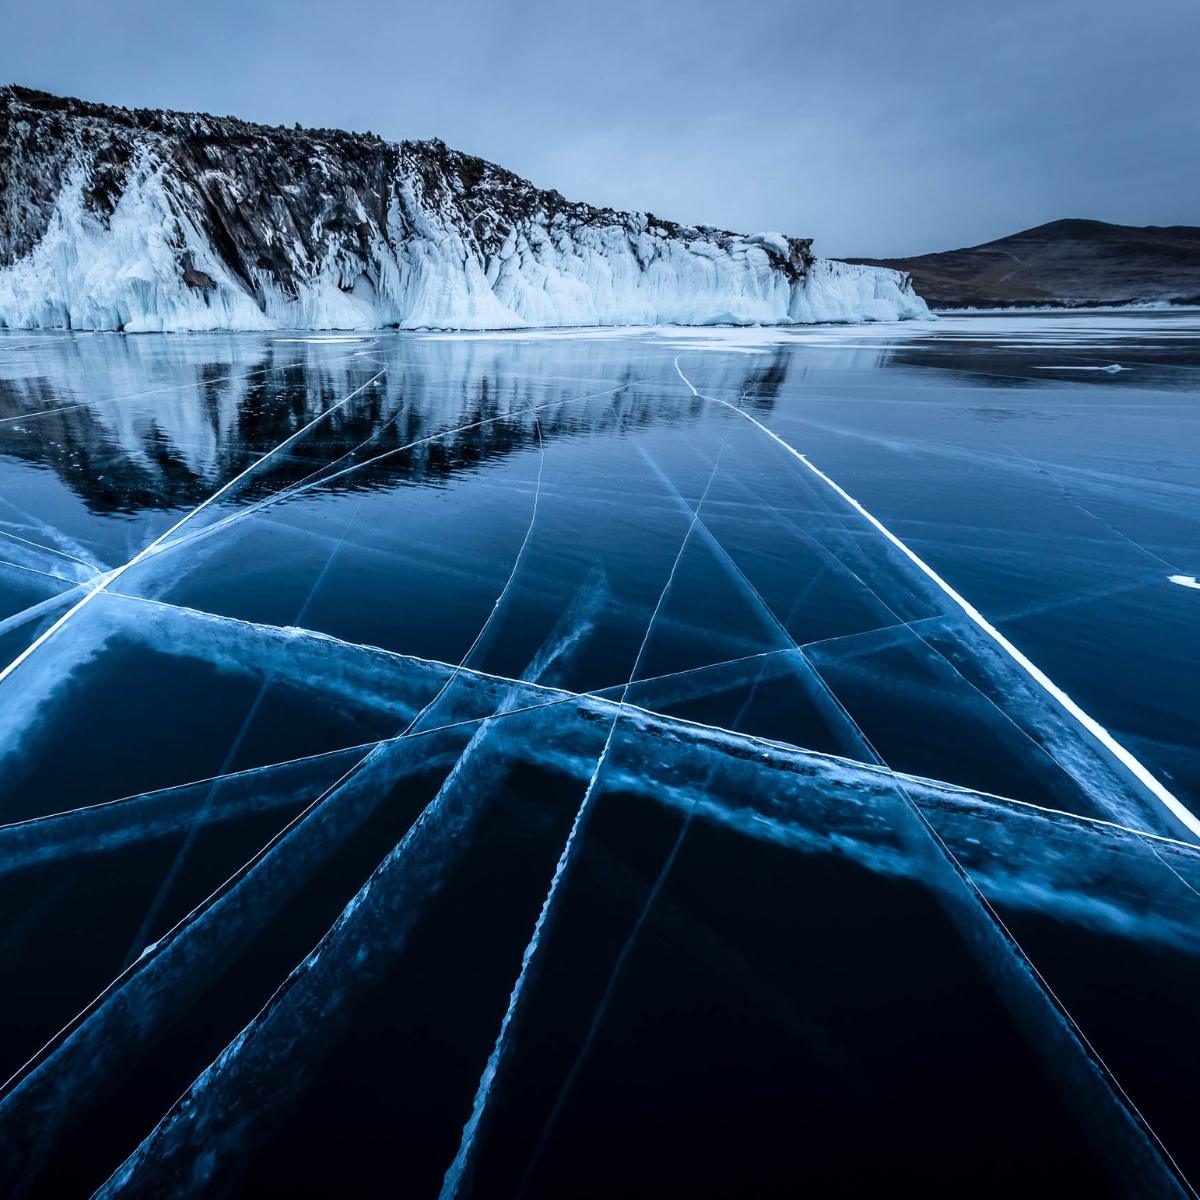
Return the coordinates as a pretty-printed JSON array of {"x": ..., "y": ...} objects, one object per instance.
[{"x": 425, "y": 612}]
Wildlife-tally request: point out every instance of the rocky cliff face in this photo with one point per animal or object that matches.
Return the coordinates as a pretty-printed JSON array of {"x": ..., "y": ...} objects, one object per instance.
[{"x": 147, "y": 220}]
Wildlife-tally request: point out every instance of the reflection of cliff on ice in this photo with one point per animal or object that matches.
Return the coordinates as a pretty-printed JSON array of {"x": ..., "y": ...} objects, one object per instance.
[{"x": 135, "y": 423}]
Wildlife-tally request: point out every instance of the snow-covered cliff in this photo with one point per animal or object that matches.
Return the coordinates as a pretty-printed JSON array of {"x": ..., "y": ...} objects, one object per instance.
[{"x": 144, "y": 220}]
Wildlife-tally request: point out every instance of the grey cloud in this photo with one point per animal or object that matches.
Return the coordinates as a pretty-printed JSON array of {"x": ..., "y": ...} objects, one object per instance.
[{"x": 878, "y": 128}]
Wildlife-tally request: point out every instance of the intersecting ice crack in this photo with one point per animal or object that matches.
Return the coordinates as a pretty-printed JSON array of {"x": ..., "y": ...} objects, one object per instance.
[
  {"x": 722, "y": 733},
  {"x": 31, "y": 841},
  {"x": 259, "y": 630},
  {"x": 1112, "y": 1121},
  {"x": 1123, "y": 755},
  {"x": 554, "y": 697},
  {"x": 168, "y": 882},
  {"x": 109, "y": 577},
  {"x": 916, "y": 627},
  {"x": 620, "y": 707},
  {"x": 831, "y": 708},
  {"x": 460, "y": 1168},
  {"x": 246, "y": 654},
  {"x": 365, "y": 940}
]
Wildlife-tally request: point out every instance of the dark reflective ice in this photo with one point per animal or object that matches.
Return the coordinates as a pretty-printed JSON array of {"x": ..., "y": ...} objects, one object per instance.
[{"x": 671, "y": 762}]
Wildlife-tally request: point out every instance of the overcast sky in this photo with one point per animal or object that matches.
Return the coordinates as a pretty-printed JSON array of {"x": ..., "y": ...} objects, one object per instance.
[{"x": 879, "y": 127}]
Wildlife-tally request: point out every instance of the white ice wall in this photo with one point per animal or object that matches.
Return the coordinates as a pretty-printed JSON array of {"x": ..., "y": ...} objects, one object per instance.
[
  {"x": 85, "y": 275},
  {"x": 126, "y": 275}
]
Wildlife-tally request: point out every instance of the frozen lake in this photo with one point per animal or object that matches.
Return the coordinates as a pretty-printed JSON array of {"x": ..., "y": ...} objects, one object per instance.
[{"x": 694, "y": 762}]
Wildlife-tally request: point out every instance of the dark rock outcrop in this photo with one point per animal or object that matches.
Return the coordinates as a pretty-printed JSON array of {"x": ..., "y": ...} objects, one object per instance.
[{"x": 1064, "y": 264}]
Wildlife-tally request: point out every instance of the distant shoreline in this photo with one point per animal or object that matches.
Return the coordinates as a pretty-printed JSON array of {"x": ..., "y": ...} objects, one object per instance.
[
  {"x": 1006, "y": 309},
  {"x": 1069, "y": 264}
]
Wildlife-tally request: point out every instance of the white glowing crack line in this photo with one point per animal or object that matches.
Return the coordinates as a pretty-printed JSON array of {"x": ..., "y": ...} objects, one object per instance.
[
  {"x": 1134, "y": 765},
  {"x": 51, "y": 550},
  {"x": 104, "y": 580},
  {"x": 4, "y": 562}
]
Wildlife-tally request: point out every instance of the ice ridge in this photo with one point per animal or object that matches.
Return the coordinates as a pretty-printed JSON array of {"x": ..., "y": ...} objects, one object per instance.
[{"x": 115, "y": 219}]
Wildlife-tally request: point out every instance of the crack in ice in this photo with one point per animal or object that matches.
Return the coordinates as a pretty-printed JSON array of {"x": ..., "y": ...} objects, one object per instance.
[
  {"x": 1140, "y": 772},
  {"x": 1117, "y": 1128},
  {"x": 1079, "y": 774},
  {"x": 461, "y": 1166},
  {"x": 111, "y": 576},
  {"x": 4, "y": 562},
  {"x": 51, "y": 550},
  {"x": 389, "y": 905}
]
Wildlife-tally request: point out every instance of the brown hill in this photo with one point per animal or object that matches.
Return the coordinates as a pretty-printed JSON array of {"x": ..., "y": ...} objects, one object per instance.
[{"x": 1065, "y": 263}]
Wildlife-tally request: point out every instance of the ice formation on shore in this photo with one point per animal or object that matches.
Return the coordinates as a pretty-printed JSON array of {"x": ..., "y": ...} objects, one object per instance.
[{"x": 149, "y": 221}]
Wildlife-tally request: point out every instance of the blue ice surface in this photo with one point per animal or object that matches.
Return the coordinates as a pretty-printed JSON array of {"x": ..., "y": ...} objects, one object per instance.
[{"x": 480, "y": 730}]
